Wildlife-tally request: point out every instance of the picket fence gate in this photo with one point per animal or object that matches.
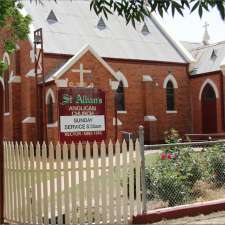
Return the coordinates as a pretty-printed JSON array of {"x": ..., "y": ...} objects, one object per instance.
[{"x": 68, "y": 184}]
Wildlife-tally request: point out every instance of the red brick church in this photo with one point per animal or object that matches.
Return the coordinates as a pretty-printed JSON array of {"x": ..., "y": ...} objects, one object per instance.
[{"x": 148, "y": 77}]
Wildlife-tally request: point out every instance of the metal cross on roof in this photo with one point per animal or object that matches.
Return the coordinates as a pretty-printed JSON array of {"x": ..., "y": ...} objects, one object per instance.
[
  {"x": 81, "y": 71},
  {"x": 206, "y": 25},
  {"x": 206, "y": 36}
]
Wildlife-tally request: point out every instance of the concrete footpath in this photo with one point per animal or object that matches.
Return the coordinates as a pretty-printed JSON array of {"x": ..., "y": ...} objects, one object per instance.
[{"x": 213, "y": 218}]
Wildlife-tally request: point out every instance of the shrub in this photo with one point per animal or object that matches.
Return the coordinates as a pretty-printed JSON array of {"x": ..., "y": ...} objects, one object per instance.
[
  {"x": 171, "y": 188},
  {"x": 172, "y": 178},
  {"x": 216, "y": 165}
]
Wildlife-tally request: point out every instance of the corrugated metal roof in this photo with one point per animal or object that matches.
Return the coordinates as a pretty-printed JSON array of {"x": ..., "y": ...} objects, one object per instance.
[
  {"x": 77, "y": 26},
  {"x": 191, "y": 45},
  {"x": 204, "y": 61}
]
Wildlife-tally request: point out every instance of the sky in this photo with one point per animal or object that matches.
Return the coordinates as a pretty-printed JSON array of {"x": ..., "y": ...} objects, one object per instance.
[{"x": 190, "y": 27}]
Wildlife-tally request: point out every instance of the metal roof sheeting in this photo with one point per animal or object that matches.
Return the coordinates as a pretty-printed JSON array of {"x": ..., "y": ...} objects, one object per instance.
[
  {"x": 77, "y": 26},
  {"x": 204, "y": 61}
]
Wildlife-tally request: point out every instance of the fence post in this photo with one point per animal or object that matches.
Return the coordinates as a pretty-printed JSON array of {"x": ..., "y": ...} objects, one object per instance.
[{"x": 143, "y": 187}]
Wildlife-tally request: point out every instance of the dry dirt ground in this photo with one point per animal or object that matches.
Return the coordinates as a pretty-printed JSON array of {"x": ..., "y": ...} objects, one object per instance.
[{"x": 213, "y": 218}]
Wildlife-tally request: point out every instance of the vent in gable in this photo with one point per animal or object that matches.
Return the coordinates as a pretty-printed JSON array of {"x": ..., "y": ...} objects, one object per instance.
[
  {"x": 101, "y": 24},
  {"x": 213, "y": 55},
  {"x": 145, "y": 29},
  {"x": 52, "y": 17}
]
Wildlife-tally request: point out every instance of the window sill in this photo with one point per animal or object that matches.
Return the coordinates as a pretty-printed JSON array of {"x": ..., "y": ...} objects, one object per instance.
[
  {"x": 7, "y": 114},
  {"x": 171, "y": 111},
  {"x": 50, "y": 125},
  {"x": 122, "y": 112}
]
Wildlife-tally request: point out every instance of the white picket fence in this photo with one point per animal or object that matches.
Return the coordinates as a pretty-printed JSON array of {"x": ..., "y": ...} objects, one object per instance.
[{"x": 67, "y": 184}]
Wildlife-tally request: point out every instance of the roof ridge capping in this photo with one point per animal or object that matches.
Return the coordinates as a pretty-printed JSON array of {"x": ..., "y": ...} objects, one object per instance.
[
  {"x": 183, "y": 51},
  {"x": 76, "y": 57}
]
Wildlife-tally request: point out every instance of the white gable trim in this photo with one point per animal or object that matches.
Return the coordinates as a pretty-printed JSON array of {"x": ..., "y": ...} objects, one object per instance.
[
  {"x": 49, "y": 92},
  {"x": 75, "y": 58},
  {"x": 173, "y": 40},
  {"x": 208, "y": 81},
  {"x": 171, "y": 78}
]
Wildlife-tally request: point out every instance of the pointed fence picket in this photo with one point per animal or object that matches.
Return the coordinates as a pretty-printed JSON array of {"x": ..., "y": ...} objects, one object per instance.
[{"x": 68, "y": 184}]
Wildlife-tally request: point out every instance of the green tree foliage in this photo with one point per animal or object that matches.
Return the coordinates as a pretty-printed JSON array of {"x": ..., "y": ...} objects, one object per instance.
[
  {"x": 135, "y": 10},
  {"x": 16, "y": 26},
  {"x": 13, "y": 26}
]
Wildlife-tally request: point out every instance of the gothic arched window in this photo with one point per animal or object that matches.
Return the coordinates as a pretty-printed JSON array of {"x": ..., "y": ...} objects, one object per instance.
[
  {"x": 120, "y": 98},
  {"x": 6, "y": 84},
  {"x": 50, "y": 109},
  {"x": 170, "y": 96}
]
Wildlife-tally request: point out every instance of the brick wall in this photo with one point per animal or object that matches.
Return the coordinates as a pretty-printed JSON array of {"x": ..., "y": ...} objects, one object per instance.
[
  {"x": 196, "y": 84},
  {"x": 141, "y": 98}
]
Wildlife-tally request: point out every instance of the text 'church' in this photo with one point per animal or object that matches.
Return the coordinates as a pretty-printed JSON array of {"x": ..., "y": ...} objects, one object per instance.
[{"x": 148, "y": 78}]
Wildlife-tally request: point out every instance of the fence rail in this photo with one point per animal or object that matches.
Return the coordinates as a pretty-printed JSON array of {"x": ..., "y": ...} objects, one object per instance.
[
  {"x": 66, "y": 184},
  {"x": 184, "y": 145},
  {"x": 184, "y": 173}
]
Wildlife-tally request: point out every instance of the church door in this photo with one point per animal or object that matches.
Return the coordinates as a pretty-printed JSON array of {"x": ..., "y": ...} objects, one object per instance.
[{"x": 209, "y": 111}]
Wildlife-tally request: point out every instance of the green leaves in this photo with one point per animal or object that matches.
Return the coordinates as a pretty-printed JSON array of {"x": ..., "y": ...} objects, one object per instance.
[
  {"x": 135, "y": 10},
  {"x": 13, "y": 23},
  {"x": 3, "y": 67}
]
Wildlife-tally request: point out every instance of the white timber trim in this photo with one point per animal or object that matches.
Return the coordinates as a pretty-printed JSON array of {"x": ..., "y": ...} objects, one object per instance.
[
  {"x": 49, "y": 92},
  {"x": 29, "y": 119},
  {"x": 76, "y": 57},
  {"x": 61, "y": 83},
  {"x": 6, "y": 58},
  {"x": 120, "y": 77},
  {"x": 119, "y": 123},
  {"x": 51, "y": 125},
  {"x": 180, "y": 48},
  {"x": 171, "y": 78},
  {"x": 150, "y": 118},
  {"x": 171, "y": 111},
  {"x": 122, "y": 112},
  {"x": 213, "y": 85},
  {"x": 147, "y": 78}
]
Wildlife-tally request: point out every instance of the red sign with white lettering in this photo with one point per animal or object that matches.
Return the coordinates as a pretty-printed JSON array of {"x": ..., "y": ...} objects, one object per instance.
[{"x": 81, "y": 114}]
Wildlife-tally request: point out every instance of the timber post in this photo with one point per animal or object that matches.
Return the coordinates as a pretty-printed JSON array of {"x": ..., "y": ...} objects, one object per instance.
[{"x": 143, "y": 186}]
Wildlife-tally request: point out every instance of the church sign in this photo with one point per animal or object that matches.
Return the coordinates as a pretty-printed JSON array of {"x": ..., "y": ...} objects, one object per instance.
[{"x": 81, "y": 114}]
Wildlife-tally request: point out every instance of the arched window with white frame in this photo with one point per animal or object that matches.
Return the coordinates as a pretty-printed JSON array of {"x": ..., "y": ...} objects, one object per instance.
[
  {"x": 50, "y": 106},
  {"x": 170, "y": 84},
  {"x": 170, "y": 98},
  {"x": 120, "y": 97}
]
